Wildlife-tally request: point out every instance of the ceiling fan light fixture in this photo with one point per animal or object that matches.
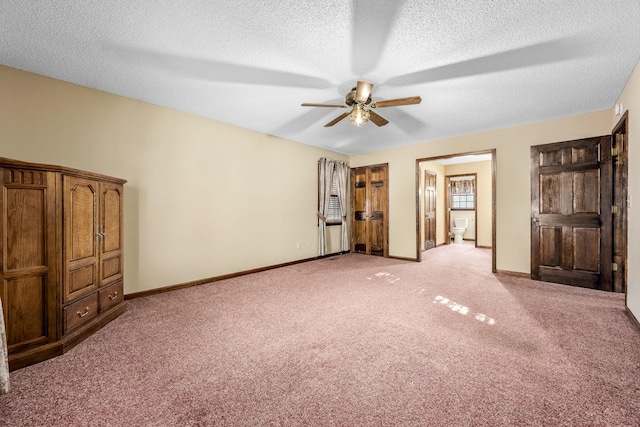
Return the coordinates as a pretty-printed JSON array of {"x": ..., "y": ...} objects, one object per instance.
[
  {"x": 358, "y": 116},
  {"x": 359, "y": 100}
]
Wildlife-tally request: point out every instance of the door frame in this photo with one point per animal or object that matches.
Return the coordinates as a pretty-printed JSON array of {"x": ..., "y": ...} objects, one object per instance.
[{"x": 493, "y": 199}]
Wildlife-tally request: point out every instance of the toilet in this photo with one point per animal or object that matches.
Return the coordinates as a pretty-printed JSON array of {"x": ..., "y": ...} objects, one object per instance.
[{"x": 459, "y": 226}]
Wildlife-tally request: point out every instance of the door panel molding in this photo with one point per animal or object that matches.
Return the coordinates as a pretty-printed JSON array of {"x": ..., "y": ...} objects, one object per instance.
[{"x": 571, "y": 196}]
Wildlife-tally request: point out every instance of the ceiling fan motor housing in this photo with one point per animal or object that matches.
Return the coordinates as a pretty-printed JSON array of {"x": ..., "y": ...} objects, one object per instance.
[{"x": 350, "y": 100}]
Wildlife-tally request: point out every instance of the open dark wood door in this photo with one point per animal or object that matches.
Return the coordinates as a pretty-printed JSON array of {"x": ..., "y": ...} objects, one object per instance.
[
  {"x": 620, "y": 193},
  {"x": 369, "y": 195},
  {"x": 571, "y": 228},
  {"x": 429, "y": 210}
]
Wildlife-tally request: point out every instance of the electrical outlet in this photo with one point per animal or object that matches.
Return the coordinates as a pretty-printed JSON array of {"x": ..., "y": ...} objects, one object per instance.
[{"x": 298, "y": 245}]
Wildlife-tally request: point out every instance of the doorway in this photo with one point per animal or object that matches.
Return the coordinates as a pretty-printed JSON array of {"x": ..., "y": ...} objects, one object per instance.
[
  {"x": 458, "y": 163},
  {"x": 462, "y": 204}
]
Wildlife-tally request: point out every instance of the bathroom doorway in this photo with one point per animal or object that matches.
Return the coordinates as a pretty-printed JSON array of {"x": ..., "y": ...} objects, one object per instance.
[
  {"x": 483, "y": 226},
  {"x": 461, "y": 207}
]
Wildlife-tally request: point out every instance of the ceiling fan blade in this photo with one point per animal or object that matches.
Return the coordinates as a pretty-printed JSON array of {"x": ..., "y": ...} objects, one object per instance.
[
  {"x": 397, "y": 102},
  {"x": 373, "y": 22},
  {"x": 363, "y": 90},
  {"x": 377, "y": 118},
  {"x": 182, "y": 66},
  {"x": 526, "y": 56},
  {"x": 336, "y": 120},
  {"x": 310, "y": 104}
]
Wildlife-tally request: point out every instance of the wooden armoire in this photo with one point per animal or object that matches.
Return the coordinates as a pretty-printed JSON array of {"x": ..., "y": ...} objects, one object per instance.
[{"x": 61, "y": 270}]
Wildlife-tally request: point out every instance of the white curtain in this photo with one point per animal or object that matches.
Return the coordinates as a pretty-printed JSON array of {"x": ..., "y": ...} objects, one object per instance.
[
  {"x": 4, "y": 361},
  {"x": 342, "y": 172},
  {"x": 325, "y": 173}
]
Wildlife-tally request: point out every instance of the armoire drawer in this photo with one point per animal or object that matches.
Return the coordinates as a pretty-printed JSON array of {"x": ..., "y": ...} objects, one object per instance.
[
  {"x": 111, "y": 295},
  {"x": 80, "y": 312}
]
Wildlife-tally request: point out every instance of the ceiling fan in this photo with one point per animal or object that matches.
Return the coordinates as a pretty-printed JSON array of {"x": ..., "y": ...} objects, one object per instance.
[{"x": 359, "y": 100}]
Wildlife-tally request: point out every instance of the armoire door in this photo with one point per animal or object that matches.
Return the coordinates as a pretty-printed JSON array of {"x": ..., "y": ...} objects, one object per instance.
[
  {"x": 28, "y": 274},
  {"x": 369, "y": 205},
  {"x": 81, "y": 233},
  {"x": 110, "y": 235},
  {"x": 571, "y": 196}
]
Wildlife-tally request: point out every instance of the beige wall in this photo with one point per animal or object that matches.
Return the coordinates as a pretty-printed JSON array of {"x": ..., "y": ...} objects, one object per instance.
[
  {"x": 630, "y": 99},
  {"x": 484, "y": 201},
  {"x": 513, "y": 199},
  {"x": 182, "y": 169},
  {"x": 203, "y": 198}
]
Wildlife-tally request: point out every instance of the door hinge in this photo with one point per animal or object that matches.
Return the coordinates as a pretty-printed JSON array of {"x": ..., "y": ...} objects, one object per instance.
[
  {"x": 614, "y": 209},
  {"x": 614, "y": 266},
  {"x": 614, "y": 151}
]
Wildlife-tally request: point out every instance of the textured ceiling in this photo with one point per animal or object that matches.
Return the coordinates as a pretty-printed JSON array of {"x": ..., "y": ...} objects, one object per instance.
[{"x": 477, "y": 65}]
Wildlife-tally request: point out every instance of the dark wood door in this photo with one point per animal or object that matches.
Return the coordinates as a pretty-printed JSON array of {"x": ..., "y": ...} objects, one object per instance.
[
  {"x": 369, "y": 195},
  {"x": 28, "y": 274},
  {"x": 571, "y": 184},
  {"x": 619, "y": 214},
  {"x": 429, "y": 210}
]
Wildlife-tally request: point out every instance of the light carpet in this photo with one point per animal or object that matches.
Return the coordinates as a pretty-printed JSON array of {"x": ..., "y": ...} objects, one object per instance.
[{"x": 346, "y": 341}]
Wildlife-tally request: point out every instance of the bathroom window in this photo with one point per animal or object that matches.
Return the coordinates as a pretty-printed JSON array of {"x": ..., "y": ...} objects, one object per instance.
[
  {"x": 463, "y": 201},
  {"x": 463, "y": 194}
]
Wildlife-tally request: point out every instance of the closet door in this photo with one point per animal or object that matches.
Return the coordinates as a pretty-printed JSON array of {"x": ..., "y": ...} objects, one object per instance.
[
  {"x": 81, "y": 232},
  {"x": 369, "y": 205},
  {"x": 28, "y": 274}
]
